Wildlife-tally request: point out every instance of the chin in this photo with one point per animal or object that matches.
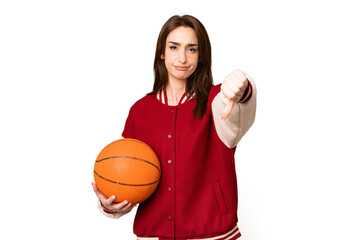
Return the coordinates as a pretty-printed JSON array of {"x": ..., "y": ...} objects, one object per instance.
[
  {"x": 181, "y": 77},
  {"x": 184, "y": 78}
]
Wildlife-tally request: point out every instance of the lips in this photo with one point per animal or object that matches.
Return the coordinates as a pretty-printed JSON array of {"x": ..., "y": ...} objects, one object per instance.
[{"x": 181, "y": 68}]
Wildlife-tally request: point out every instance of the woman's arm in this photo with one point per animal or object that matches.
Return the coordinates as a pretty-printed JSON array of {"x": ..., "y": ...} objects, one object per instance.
[{"x": 242, "y": 111}]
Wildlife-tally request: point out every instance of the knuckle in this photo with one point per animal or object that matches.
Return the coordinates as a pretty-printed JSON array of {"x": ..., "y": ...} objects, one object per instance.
[
  {"x": 107, "y": 206},
  {"x": 236, "y": 72},
  {"x": 121, "y": 205},
  {"x": 116, "y": 208}
]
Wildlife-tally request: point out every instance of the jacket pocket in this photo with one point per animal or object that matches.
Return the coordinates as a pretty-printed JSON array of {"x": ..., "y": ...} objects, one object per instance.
[{"x": 220, "y": 198}]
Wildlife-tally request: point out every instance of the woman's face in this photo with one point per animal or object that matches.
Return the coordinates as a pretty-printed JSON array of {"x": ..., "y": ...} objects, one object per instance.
[{"x": 181, "y": 53}]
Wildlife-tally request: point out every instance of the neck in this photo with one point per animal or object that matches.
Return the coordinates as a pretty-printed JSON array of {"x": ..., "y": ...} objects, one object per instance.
[{"x": 175, "y": 90}]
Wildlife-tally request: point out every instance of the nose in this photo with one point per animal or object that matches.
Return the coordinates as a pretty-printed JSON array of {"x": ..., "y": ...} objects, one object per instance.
[{"x": 182, "y": 56}]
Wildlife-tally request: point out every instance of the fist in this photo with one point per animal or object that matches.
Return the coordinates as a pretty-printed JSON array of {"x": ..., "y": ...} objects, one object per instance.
[{"x": 233, "y": 88}]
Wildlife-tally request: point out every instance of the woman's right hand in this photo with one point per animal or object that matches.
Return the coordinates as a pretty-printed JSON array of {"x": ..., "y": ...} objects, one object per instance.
[{"x": 123, "y": 207}]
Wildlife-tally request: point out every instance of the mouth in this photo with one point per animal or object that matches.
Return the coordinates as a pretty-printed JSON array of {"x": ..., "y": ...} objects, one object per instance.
[{"x": 181, "y": 68}]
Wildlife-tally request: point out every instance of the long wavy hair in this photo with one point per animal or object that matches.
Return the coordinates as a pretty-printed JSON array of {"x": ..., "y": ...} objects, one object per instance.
[{"x": 201, "y": 80}]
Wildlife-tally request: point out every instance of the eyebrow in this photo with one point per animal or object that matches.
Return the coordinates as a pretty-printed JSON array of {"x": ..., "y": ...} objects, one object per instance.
[{"x": 189, "y": 45}]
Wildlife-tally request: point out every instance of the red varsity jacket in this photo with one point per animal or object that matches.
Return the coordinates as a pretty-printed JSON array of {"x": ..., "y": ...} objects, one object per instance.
[{"x": 197, "y": 193}]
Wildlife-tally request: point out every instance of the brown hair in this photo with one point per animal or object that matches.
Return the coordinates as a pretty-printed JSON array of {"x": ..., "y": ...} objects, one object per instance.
[{"x": 201, "y": 80}]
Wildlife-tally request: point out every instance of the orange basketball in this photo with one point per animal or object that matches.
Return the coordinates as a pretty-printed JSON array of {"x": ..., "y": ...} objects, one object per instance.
[{"x": 128, "y": 169}]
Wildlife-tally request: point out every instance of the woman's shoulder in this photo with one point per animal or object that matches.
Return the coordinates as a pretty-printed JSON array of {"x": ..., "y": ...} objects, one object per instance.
[
  {"x": 215, "y": 88},
  {"x": 214, "y": 91},
  {"x": 144, "y": 102}
]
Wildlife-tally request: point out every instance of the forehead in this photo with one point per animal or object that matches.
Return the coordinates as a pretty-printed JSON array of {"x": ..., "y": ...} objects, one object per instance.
[{"x": 182, "y": 35}]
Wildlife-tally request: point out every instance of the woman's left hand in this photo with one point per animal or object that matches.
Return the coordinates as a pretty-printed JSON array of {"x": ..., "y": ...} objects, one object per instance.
[{"x": 233, "y": 89}]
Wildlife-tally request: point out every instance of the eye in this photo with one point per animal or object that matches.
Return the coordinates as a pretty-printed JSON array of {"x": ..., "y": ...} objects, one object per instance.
[
  {"x": 193, "y": 50},
  {"x": 173, "y": 47}
]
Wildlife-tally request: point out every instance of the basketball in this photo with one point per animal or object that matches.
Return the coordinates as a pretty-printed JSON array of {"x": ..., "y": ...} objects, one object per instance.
[{"x": 129, "y": 169}]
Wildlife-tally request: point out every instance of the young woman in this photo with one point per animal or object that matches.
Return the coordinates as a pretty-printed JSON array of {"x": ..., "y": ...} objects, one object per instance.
[{"x": 194, "y": 128}]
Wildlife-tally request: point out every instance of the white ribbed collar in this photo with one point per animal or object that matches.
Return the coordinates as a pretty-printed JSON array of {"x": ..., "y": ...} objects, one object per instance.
[{"x": 161, "y": 96}]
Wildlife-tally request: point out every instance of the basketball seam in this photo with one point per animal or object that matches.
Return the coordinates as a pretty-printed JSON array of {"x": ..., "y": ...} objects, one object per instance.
[
  {"x": 103, "y": 193},
  {"x": 125, "y": 184},
  {"x": 139, "y": 159}
]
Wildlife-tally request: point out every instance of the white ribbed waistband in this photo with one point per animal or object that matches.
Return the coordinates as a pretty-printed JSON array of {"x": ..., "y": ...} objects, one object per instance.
[{"x": 227, "y": 236}]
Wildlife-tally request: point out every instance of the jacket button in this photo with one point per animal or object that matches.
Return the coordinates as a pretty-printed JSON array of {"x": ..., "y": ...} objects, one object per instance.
[
  {"x": 169, "y": 161},
  {"x": 170, "y": 218},
  {"x": 169, "y": 189},
  {"x": 169, "y": 136}
]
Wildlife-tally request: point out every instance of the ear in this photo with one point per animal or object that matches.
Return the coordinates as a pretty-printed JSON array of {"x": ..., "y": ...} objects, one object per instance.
[{"x": 162, "y": 57}]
